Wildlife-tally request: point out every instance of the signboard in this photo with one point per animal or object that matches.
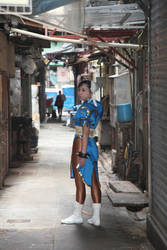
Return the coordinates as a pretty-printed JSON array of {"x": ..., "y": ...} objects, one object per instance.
[
  {"x": 63, "y": 75},
  {"x": 16, "y": 6}
]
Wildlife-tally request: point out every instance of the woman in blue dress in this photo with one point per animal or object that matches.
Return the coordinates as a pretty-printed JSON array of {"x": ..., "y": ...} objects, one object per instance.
[{"x": 84, "y": 156}]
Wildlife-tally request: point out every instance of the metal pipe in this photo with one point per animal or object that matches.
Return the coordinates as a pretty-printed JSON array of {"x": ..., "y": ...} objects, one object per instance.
[
  {"x": 43, "y": 37},
  {"x": 79, "y": 41},
  {"x": 149, "y": 110}
]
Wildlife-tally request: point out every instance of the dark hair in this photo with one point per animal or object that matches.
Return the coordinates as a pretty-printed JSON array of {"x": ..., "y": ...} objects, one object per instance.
[{"x": 87, "y": 82}]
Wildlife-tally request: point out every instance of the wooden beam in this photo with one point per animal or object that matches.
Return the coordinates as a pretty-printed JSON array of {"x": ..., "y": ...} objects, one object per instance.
[
  {"x": 33, "y": 24},
  {"x": 120, "y": 54}
]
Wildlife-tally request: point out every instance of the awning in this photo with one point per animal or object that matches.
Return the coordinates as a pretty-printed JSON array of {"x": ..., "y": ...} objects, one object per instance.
[
  {"x": 61, "y": 48},
  {"x": 34, "y": 7},
  {"x": 77, "y": 17},
  {"x": 41, "y": 6}
]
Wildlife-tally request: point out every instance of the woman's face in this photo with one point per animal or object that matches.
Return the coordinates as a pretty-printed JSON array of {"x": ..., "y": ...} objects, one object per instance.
[{"x": 84, "y": 92}]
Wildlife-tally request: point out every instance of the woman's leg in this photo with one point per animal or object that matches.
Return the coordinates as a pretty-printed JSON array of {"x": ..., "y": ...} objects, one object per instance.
[
  {"x": 76, "y": 217},
  {"x": 95, "y": 188},
  {"x": 80, "y": 187},
  {"x": 96, "y": 197}
]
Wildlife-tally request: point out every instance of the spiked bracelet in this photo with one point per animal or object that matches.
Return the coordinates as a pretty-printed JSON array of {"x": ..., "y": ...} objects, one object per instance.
[{"x": 82, "y": 155}]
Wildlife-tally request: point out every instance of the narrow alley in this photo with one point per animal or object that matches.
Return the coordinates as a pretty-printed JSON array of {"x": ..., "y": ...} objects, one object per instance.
[{"x": 37, "y": 195}]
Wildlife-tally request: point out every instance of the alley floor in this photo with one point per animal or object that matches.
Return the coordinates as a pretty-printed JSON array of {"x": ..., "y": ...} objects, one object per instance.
[{"x": 38, "y": 194}]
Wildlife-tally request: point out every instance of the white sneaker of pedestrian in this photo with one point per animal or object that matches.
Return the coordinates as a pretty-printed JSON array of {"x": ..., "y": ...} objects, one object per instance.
[
  {"x": 76, "y": 217},
  {"x": 95, "y": 219}
]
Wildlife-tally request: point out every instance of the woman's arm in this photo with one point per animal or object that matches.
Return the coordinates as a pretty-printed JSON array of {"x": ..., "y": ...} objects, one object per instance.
[{"x": 85, "y": 132}]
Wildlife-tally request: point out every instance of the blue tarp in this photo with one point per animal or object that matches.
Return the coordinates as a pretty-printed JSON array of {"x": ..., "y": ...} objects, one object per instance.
[
  {"x": 68, "y": 92},
  {"x": 41, "y": 6}
]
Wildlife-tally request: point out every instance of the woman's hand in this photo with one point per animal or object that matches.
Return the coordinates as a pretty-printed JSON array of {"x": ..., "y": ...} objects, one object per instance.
[
  {"x": 82, "y": 161},
  {"x": 85, "y": 132}
]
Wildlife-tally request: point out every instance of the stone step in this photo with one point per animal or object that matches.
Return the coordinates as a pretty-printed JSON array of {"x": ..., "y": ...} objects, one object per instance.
[
  {"x": 126, "y": 194},
  {"x": 124, "y": 187}
]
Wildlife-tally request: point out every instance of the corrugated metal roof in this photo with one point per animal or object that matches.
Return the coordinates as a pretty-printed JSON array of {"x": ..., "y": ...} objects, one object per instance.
[
  {"x": 34, "y": 7},
  {"x": 115, "y": 16},
  {"x": 70, "y": 16},
  {"x": 77, "y": 17}
]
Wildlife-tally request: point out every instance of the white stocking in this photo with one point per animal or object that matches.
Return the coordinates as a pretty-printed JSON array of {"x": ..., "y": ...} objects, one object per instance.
[
  {"x": 95, "y": 219},
  {"x": 76, "y": 217}
]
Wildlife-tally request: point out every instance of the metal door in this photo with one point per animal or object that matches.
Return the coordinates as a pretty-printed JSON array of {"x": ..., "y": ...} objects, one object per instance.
[{"x": 157, "y": 225}]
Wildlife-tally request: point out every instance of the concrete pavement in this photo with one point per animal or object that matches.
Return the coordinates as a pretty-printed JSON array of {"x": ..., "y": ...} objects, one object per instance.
[{"x": 37, "y": 195}]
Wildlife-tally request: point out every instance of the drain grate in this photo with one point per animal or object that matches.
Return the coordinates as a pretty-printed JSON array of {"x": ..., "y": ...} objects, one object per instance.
[{"x": 6, "y": 231}]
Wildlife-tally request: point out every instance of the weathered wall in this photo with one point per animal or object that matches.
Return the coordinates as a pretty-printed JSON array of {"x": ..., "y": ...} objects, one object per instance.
[
  {"x": 7, "y": 70},
  {"x": 7, "y": 58}
]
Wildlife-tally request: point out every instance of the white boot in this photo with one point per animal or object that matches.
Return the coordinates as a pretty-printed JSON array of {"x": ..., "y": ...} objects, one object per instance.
[
  {"x": 95, "y": 219},
  {"x": 76, "y": 217}
]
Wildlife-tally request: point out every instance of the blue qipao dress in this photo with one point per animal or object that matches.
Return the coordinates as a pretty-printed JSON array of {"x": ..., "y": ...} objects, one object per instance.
[{"x": 89, "y": 113}]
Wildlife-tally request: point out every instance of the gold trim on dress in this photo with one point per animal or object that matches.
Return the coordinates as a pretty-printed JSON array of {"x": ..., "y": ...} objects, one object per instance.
[
  {"x": 78, "y": 131},
  {"x": 87, "y": 111},
  {"x": 81, "y": 176}
]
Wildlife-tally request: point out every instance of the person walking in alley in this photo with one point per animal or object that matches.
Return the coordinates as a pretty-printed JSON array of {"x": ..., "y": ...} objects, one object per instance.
[
  {"x": 60, "y": 99},
  {"x": 84, "y": 156}
]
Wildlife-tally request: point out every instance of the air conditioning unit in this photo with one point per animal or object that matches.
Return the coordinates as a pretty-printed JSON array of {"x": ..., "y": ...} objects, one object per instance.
[{"x": 17, "y": 7}]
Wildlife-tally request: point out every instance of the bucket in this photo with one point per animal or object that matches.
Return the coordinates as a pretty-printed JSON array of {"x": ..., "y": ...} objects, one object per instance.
[{"x": 124, "y": 112}]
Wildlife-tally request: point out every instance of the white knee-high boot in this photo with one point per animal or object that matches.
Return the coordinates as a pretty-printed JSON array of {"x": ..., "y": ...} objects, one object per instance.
[
  {"x": 95, "y": 219},
  {"x": 76, "y": 217}
]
